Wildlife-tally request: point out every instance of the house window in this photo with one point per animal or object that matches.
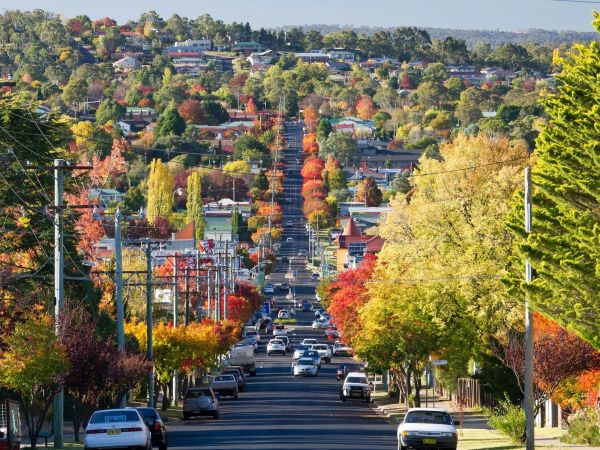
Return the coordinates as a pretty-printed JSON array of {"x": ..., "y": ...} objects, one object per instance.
[{"x": 357, "y": 249}]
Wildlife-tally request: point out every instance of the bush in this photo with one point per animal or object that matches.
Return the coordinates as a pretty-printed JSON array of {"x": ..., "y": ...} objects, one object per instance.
[
  {"x": 509, "y": 420},
  {"x": 584, "y": 428},
  {"x": 285, "y": 321}
]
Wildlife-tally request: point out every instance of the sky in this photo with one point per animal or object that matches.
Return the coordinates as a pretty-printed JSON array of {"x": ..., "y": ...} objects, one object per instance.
[{"x": 508, "y": 15}]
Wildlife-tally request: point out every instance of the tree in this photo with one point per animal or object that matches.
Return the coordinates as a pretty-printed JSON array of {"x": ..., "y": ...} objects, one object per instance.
[
  {"x": 160, "y": 191},
  {"x": 338, "y": 180},
  {"x": 109, "y": 111},
  {"x": 341, "y": 146},
  {"x": 170, "y": 123},
  {"x": 310, "y": 144},
  {"x": 324, "y": 129},
  {"x": 365, "y": 108},
  {"x": 369, "y": 192},
  {"x": 32, "y": 366},
  {"x": 566, "y": 197},
  {"x": 311, "y": 118},
  {"x": 249, "y": 148},
  {"x": 214, "y": 113},
  {"x": 191, "y": 111},
  {"x": 312, "y": 169},
  {"x": 468, "y": 109},
  {"x": 237, "y": 167},
  {"x": 194, "y": 204}
]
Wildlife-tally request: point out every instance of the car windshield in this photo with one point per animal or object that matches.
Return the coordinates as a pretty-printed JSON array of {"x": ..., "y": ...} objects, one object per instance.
[
  {"x": 115, "y": 416},
  {"x": 277, "y": 342},
  {"x": 301, "y": 347},
  {"x": 305, "y": 362},
  {"x": 224, "y": 378},
  {"x": 320, "y": 347},
  {"x": 362, "y": 380},
  {"x": 148, "y": 413},
  {"x": 195, "y": 393},
  {"x": 436, "y": 417}
]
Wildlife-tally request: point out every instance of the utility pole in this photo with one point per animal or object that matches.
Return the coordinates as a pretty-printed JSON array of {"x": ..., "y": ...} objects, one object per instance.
[
  {"x": 209, "y": 293},
  {"x": 198, "y": 290},
  {"x": 528, "y": 381},
  {"x": 119, "y": 291},
  {"x": 226, "y": 282},
  {"x": 186, "y": 315},
  {"x": 218, "y": 288},
  {"x": 149, "y": 343},
  {"x": 175, "y": 324},
  {"x": 59, "y": 397}
]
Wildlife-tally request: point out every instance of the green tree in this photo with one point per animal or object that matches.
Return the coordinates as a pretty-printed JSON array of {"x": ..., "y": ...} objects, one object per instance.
[
  {"x": 337, "y": 180},
  {"x": 160, "y": 191},
  {"x": 341, "y": 146},
  {"x": 469, "y": 106},
  {"x": 31, "y": 366},
  {"x": 249, "y": 148},
  {"x": 109, "y": 111},
  {"x": 562, "y": 246},
  {"x": 214, "y": 113},
  {"x": 324, "y": 129},
  {"x": 194, "y": 204},
  {"x": 260, "y": 181},
  {"x": 369, "y": 192},
  {"x": 170, "y": 123}
]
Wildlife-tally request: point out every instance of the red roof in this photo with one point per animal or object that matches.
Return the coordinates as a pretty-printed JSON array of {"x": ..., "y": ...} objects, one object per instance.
[
  {"x": 186, "y": 233},
  {"x": 351, "y": 229},
  {"x": 375, "y": 244}
]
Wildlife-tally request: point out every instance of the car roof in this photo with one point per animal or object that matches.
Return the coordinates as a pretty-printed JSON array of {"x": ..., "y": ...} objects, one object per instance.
[
  {"x": 357, "y": 374},
  {"x": 427, "y": 410}
]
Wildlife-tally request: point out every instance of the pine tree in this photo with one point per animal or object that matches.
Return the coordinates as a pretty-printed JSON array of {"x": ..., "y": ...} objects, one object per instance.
[
  {"x": 194, "y": 204},
  {"x": 170, "y": 123},
  {"x": 563, "y": 246},
  {"x": 237, "y": 222},
  {"x": 160, "y": 191}
]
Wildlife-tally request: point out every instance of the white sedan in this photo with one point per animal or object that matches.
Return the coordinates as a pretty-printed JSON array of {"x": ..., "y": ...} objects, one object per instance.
[
  {"x": 306, "y": 367},
  {"x": 319, "y": 324},
  {"x": 252, "y": 334},
  {"x": 116, "y": 428},
  {"x": 424, "y": 427},
  {"x": 275, "y": 346}
]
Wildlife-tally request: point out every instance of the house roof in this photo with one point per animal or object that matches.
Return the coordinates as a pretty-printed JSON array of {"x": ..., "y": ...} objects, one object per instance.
[
  {"x": 351, "y": 229},
  {"x": 186, "y": 233},
  {"x": 375, "y": 244}
]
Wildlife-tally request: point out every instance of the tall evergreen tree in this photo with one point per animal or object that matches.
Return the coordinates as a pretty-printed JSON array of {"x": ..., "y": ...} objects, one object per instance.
[
  {"x": 563, "y": 246},
  {"x": 170, "y": 123},
  {"x": 194, "y": 204},
  {"x": 237, "y": 222},
  {"x": 160, "y": 191}
]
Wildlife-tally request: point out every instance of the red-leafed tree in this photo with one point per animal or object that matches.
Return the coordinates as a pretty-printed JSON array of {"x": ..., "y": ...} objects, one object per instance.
[
  {"x": 313, "y": 188},
  {"x": 251, "y": 106},
  {"x": 311, "y": 118},
  {"x": 310, "y": 144},
  {"x": 365, "y": 108},
  {"x": 316, "y": 204},
  {"x": 250, "y": 293},
  {"x": 559, "y": 354},
  {"x": 348, "y": 295},
  {"x": 238, "y": 309},
  {"x": 191, "y": 111},
  {"x": 312, "y": 169}
]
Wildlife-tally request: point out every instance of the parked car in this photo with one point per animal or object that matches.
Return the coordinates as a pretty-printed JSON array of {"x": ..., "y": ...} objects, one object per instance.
[
  {"x": 286, "y": 342},
  {"x": 276, "y": 346},
  {"x": 340, "y": 349},
  {"x": 117, "y": 428},
  {"x": 306, "y": 306},
  {"x": 356, "y": 385},
  {"x": 225, "y": 385},
  {"x": 265, "y": 324},
  {"x": 248, "y": 342},
  {"x": 319, "y": 324},
  {"x": 289, "y": 223},
  {"x": 324, "y": 351},
  {"x": 279, "y": 330},
  {"x": 157, "y": 427},
  {"x": 319, "y": 311},
  {"x": 289, "y": 239},
  {"x": 238, "y": 373},
  {"x": 345, "y": 368},
  {"x": 305, "y": 367},
  {"x": 427, "y": 428},
  {"x": 200, "y": 401}
]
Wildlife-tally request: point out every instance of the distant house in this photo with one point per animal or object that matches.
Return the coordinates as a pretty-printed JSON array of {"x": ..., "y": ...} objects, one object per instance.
[
  {"x": 217, "y": 225},
  {"x": 262, "y": 60},
  {"x": 492, "y": 73},
  {"x": 227, "y": 204},
  {"x": 354, "y": 126},
  {"x": 248, "y": 47},
  {"x": 466, "y": 73},
  {"x": 373, "y": 63},
  {"x": 312, "y": 57},
  {"x": 341, "y": 54},
  {"x": 126, "y": 64},
  {"x": 196, "y": 44},
  {"x": 106, "y": 196},
  {"x": 337, "y": 67},
  {"x": 352, "y": 245}
]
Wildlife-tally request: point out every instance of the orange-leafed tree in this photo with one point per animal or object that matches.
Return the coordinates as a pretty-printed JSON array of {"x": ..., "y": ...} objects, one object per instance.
[
  {"x": 348, "y": 295},
  {"x": 265, "y": 210},
  {"x": 316, "y": 204},
  {"x": 331, "y": 165},
  {"x": 310, "y": 144},
  {"x": 313, "y": 188},
  {"x": 311, "y": 119},
  {"x": 365, "y": 108},
  {"x": 312, "y": 169},
  {"x": 251, "y": 106},
  {"x": 191, "y": 111}
]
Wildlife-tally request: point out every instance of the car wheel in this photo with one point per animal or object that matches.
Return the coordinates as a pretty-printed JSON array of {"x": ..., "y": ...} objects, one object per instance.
[
  {"x": 368, "y": 400},
  {"x": 186, "y": 417},
  {"x": 216, "y": 415},
  {"x": 343, "y": 398},
  {"x": 235, "y": 396},
  {"x": 268, "y": 354}
]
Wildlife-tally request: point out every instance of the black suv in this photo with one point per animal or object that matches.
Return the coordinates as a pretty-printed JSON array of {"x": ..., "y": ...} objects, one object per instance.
[{"x": 156, "y": 426}]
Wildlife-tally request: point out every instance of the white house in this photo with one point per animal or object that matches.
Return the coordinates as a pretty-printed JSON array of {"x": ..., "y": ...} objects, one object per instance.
[
  {"x": 197, "y": 44},
  {"x": 262, "y": 59},
  {"x": 126, "y": 64}
]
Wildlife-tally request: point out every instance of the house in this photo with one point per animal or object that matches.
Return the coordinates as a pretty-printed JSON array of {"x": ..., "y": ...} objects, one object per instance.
[
  {"x": 337, "y": 67},
  {"x": 227, "y": 204},
  {"x": 341, "y": 54},
  {"x": 217, "y": 225},
  {"x": 129, "y": 126},
  {"x": 354, "y": 126},
  {"x": 126, "y": 64},
  {"x": 492, "y": 73},
  {"x": 466, "y": 73},
  {"x": 106, "y": 196},
  {"x": 248, "y": 47},
  {"x": 352, "y": 245},
  {"x": 262, "y": 60},
  {"x": 312, "y": 57},
  {"x": 195, "y": 44},
  {"x": 373, "y": 63}
]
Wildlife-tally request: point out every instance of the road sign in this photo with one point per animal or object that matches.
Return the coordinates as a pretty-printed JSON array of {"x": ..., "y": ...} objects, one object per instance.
[{"x": 439, "y": 362}]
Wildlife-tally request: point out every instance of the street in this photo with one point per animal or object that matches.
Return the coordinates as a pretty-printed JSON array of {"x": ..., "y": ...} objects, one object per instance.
[{"x": 278, "y": 411}]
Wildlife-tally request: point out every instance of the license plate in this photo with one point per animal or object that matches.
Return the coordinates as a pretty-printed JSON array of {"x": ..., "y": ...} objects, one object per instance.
[
  {"x": 113, "y": 431},
  {"x": 429, "y": 441}
]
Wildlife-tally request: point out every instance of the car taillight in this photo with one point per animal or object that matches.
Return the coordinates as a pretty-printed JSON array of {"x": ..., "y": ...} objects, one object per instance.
[
  {"x": 157, "y": 426},
  {"x": 96, "y": 431},
  {"x": 131, "y": 430}
]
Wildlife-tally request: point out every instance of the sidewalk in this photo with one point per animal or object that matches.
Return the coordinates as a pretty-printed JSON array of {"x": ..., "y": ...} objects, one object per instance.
[{"x": 474, "y": 433}]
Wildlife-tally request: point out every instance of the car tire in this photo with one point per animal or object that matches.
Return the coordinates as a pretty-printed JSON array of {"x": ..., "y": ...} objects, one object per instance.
[
  {"x": 235, "y": 396},
  {"x": 368, "y": 400},
  {"x": 343, "y": 398},
  {"x": 215, "y": 415},
  {"x": 186, "y": 417},
  {"x": 162, "y": 446},
  {"x": 268, "y": 354}
]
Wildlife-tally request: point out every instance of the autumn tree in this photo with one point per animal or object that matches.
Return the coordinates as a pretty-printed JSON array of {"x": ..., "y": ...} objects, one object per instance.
[
  {"x": 369, "y": 192},
  {"x": 311, "y": 118},
  {"x": 312, "y": 169},
  {"x": 566, "y": 198},
  {"x": 310, "y": 144},
  {"x": 194, "y": 204},
  {"x": 160, "y": 191},
  {"x": 251, "y": 106},
  {"x": 365, "y": 108},
  {"x": 191, "y": 111}
]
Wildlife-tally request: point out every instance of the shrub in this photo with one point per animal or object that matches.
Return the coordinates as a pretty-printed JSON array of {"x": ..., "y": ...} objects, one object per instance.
[
  {"x": 584, "y": 427},
  {"x": 509, "y": 420},
  {"x": 285, "y": 321}
]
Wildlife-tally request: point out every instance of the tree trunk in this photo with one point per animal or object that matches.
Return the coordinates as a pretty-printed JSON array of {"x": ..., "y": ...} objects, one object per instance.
[
  {"x": 417, "y": 383},
  {"x": 166, "y": 400},
  {"x": 77, "y": 413}
]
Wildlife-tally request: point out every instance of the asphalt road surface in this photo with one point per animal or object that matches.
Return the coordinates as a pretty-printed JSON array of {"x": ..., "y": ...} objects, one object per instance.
[{"x": 278, "y": 411}]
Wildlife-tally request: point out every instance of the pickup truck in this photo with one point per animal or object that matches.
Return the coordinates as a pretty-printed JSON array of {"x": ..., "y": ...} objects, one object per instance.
[
  {"x": 324, "y": 351},
  {"x": 225, "y": 385},
  {"x": 243, "y": 356}
]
